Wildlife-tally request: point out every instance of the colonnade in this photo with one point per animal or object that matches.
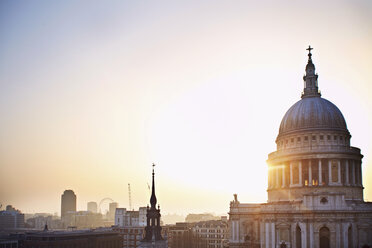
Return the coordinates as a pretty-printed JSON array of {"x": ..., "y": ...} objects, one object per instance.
[{"x": 316, "y": 172}]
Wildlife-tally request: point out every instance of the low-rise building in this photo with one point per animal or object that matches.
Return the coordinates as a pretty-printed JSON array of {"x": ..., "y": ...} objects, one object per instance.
[
  {"x": 11, "y": 218},
  {"x": 203, "y": 234},
  {"x": 76, "y": 239},
  {"x": 123, "y": 217},
  {"x": 180, "y": 235},
  {"x": 211, "y": 234},
  {"x": 130, "y": 224},
  {"x": 132, "y": 235}
]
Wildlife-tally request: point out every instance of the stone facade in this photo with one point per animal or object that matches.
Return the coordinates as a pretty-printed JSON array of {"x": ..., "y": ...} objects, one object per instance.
[{"x": 315, "y": 189}]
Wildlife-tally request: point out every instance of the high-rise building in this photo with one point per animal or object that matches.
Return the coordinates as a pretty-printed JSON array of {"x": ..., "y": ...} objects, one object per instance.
[
  {"x": 315, "y": 190},
  {"x": 68, "y": 202},
  {"x": 92, "y": 207},
  {"x": 112, "y": 208}
]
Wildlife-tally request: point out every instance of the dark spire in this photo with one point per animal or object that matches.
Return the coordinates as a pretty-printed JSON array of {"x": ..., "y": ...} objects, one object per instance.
[
  {"x": 310, "y": 79},
  {"x": 153, "y": 199},
  {"x": 46, "y": 227},
  {"x": 153, "y": 228}
]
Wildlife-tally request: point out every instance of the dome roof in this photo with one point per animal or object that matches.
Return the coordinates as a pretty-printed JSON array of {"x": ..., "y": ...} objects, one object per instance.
[{"x": 312, "y": 113}]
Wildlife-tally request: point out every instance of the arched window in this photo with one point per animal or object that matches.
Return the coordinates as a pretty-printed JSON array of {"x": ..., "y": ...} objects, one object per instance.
[
  {"x": 298, "y": 237},
  {"x": 283, "y": 245},
  {"x": 324, "y": 237}
]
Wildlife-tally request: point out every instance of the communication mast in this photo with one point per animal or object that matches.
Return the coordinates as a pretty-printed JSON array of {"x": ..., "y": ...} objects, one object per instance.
[{"x": 130, "y": 197}]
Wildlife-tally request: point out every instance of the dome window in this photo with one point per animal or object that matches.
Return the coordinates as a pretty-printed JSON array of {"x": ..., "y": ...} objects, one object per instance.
[
  {"x": 292, "y": 140},
  {"x": 299, "y": 139},
  {"x": 321, "y": 137},
  {"x": 306, "y": 138},
  {"x": 328, "y": 137},
  {"x": 335, "y": 137},
  {"x": 314, "y": 138}
]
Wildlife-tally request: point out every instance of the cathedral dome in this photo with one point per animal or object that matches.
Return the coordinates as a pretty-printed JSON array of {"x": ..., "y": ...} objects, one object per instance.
[{"x": 312, "y": 113}]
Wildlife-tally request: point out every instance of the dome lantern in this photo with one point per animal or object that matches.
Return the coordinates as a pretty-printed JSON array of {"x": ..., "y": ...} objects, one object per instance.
[{"x": 310, "y": 79}]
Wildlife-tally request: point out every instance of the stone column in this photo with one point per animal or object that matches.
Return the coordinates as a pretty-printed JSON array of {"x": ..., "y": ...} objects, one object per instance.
[
  {"x": 360, "y": 174},
  {"x": 338, "y": 235},
  {"x": 277, "y": 177},
  {"x": 339, "y": 171},
  {"x": 290, "y": 174},
  {"x": 300, "y": 172},
  {"x": 354, "y": 229},
  {"x": 233, "y": 230},
  {"x": 311, "y": 233},
  {"x": 310, "y": 175},
  {"x": 262, "y": 234},
  {"x": 345, "y": 229},
  {"x": 303, "y": 234},
  {"x": 329, "y": 172},
  {"x": 273, "y": 235},
  {"x": 353, "y": 172},
  {"x": 283, "y": 177},
  {"x": 237, "y": 231},
  {"x": 320, "y": 171},
  {"x": 347, "y": 172},
  {"x": 267, "y": 235}
]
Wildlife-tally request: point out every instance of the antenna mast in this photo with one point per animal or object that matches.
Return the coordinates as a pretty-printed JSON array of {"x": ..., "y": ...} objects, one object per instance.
[{"x": 130, "y": 197}]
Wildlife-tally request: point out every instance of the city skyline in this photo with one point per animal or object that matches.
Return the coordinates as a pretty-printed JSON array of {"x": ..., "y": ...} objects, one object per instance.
[{"x": 93, "y": 94}]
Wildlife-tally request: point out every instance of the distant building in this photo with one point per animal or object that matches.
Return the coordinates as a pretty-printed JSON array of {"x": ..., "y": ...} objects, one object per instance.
[
  {"x": 153, "y": 235},
  {"x": 92, "y": 207},
  {"x": 200, "y": 217},
  {"x": 9, "y": 243},
  {"x": 130, "y": 224},
  {"x": 180, "y": 235},
  {"x": 84, "y": 219},
  {"x": 132, "y": 235},
  {"x": 204, "y": 234},
  {"x": 11, "y": 240},
  {"x": 76, "y": 239},
  {"x": 125, "y": 218},
  {"x": 112, "y": 208},
  {"x": 38, "y": 221},
  {"x": 211, "y": 234},
  {"x": 11, "y": 218},
  {"x": 68, "y": 202}
]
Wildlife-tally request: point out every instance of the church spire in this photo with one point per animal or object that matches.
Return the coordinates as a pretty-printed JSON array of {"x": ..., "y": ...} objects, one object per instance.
[
  {"x": 310, "y": 78},
  {"x": 153, "y": 199},
  {"x": 153, "y": 228}
]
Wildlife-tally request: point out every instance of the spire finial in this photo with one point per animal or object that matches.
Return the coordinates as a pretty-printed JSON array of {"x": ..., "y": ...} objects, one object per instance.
[
  {"x": 309, "y": 54},
  {"x": 153, "y": 199}
]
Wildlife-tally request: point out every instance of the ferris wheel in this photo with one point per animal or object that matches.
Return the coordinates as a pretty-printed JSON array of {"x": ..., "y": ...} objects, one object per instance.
[{"x": 104, "y": 201}]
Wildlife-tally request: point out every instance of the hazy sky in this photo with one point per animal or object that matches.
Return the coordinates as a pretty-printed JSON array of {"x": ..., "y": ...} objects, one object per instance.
[{"x": 93, "y": 92}]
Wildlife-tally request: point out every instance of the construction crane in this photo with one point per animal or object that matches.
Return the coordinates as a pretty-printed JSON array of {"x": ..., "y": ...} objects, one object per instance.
[
  {"x": 130, "y": 197},
  {"x": 148, "y": 186}
]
